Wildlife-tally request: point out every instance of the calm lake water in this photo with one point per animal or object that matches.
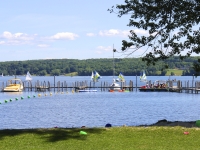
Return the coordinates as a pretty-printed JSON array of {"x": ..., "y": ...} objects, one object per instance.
[{"x": 95, "y": 109}]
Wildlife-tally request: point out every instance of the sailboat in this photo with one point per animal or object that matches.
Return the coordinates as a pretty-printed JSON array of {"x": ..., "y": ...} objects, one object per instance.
[
  {"x": 2, "y": 75},
  {"x": 28, "y": 76},
  {"x": 121, "y": 77},
  {"x": 143, "y": 77},
  {"x": 94, "y": 78}
]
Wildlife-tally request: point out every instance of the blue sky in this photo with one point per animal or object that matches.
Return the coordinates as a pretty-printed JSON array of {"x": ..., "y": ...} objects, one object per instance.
[{"x": 73, "y": 29}]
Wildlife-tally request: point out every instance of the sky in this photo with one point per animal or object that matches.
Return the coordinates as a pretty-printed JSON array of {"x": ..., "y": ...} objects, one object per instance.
[{"x": 72, "y": 29}]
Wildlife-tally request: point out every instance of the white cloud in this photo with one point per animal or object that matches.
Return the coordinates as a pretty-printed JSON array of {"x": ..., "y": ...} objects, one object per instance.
[
  {"x": 111, "y": 32},
  {"x": 121, "y": 33},
  {"x": 114, "y": 32},
  {"x": 2, "y": 42},
  {"x": 16, "y": 38},
  {"x": 125, "y": 33},
  {"x": 90, "y": 34},
  {"x": 43, "y": 45},
  {"x": 143, "y": 32},
  {"x": 7, "y": 35},
  {"x": 19, "y": 38},
  {"x": 99, "y": 52},
  {"x": 64, "y": 35},
  {"x": 102, "y": 48}
]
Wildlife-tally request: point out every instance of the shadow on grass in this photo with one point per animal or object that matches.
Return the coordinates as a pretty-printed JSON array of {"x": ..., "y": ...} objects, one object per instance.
[{"x": 53, "y": 134}]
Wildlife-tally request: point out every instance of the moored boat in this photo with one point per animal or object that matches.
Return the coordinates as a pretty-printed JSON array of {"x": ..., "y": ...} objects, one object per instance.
[
  {"x": 14, "y": 85},
  {"x": 116, "y": 86},
  {"x": 157, "y": 86}
]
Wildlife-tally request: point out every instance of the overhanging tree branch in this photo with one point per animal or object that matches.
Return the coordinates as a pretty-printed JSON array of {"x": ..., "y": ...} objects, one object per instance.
[{"x": 171, "y": 26}]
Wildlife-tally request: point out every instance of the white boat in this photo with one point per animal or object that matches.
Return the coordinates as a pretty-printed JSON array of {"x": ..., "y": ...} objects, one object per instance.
[
  {"x": 116, "y": 86},
  {"x": 28, "y": 76},
  {"x": 2, "y": 75},
  {"x": 14, "y": 85}
]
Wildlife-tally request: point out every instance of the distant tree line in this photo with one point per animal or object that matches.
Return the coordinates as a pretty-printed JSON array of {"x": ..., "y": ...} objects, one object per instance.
[{"x": 128, "y": 66}]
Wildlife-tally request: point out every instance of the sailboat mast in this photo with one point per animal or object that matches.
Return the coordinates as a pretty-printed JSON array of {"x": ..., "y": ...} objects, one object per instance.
[
  {"x": 114, "y": 50},
  {"x": 113, "y": 63}
]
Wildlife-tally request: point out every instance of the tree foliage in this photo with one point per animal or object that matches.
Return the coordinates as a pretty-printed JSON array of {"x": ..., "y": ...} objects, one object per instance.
[
  {"x": 172, "y": 25},
  {"x": 127, "y": 66}
]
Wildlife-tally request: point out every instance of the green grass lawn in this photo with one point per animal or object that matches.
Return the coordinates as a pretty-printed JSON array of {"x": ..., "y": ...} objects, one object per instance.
[
  {"x": 177, "y": 72},
  {"x": 115, "y": 138},
  {"x": 71, "y": 74}
]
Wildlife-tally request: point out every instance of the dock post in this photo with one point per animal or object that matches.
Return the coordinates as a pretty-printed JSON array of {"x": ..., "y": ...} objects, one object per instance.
[
  {"x": 54, "y": 82},
  {"x": 192, "y": 82},
  {"x": 28, "y": 86},
  {"x": 136, "y": 83}
]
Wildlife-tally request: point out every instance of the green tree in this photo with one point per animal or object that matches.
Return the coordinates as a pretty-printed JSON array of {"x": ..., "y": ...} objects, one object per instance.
[
  {"x": 172, "y": 73},
  {"x": 55, "y": 72},
  {"x": 42, "y": 73},
  {"x": 163, "y": 72},
  {"x": 172, "y": 27}
]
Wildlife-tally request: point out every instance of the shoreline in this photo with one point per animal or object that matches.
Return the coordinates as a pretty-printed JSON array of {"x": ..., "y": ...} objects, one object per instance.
[
  {"x": 160, "y": 123},
  {"x": 164, "y": 122}
]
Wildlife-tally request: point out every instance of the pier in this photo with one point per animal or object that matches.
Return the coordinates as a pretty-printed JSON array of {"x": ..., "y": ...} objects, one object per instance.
[
  {"x": 172, "y": 86},
  {"x": 180, "y": 87},
  {"x": 64, "y": 86}
]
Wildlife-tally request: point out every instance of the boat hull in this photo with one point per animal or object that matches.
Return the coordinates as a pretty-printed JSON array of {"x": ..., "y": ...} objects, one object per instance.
[
  {"x": 12, "y": 90},
  {"x": 87, "y": 90},
  {"x": 154, "y": 89},
  {"x": 115, "y": 87}
]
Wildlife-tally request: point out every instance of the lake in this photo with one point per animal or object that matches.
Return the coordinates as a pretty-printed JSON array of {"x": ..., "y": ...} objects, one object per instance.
[{"x": 95, "y": 109}]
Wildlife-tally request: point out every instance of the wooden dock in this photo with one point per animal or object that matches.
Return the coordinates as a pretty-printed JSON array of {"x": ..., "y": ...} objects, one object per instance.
[
  {"x": 61, "y": 86},
  {"x": 172, "y": 86},
  {"x": 176, "y": 86}
]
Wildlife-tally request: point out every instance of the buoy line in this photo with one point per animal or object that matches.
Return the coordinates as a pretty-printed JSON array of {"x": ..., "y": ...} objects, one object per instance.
[{"x": 33, "y": 96}]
